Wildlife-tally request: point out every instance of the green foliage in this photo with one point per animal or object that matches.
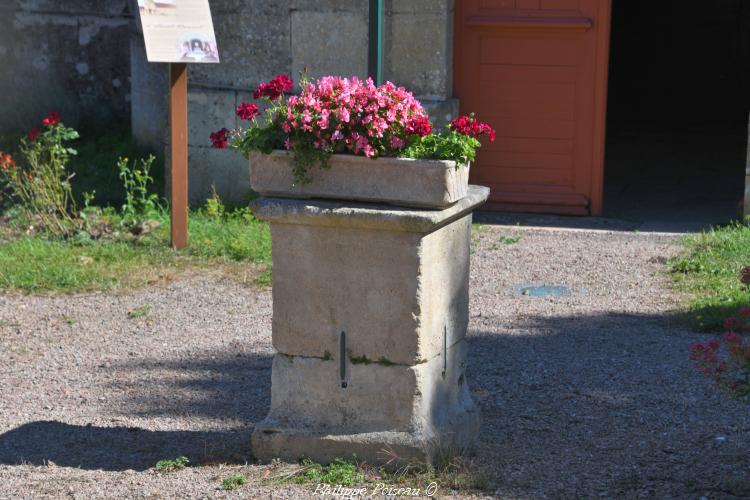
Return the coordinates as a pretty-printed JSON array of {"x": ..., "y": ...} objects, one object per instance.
[
  {"x": 140, "y": 204},
  {"x": 509, "y": 240},
  {"x": 265, "y": 278},
  {"x": 229, "y": 235},
  {"x": 94, "y": 166},
  {"x": 139, "y": 312},
  {"x": 708, "y": 269},
  {"x": 339, "y": 472},
  {"x": 233, "y": 482},
  {"x": 40, "y": 182},
  {"x": 448, "y": 145},
  {"x": 33, "y": 263},
  {"x": 359, "y": 360},
  {"x": 170, "y": 465},
  {"x": 37, "y": 264},
  {"x": 263, "y": 139}
]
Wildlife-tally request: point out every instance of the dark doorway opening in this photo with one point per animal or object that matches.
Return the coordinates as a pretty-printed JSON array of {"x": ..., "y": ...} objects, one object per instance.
[{"x": 677, "y": 118}]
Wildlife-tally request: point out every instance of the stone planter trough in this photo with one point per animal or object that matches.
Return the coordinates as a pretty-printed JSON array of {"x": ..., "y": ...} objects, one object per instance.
[{"x": 394, "y": 181}]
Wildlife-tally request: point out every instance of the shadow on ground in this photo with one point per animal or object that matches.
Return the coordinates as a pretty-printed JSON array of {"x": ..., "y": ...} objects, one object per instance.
[
  {"x": 609, "y": 404},
  {"x": 572, "y": 406},
  {"x": 116, "y": 448},
  {"x": 223, "y": 391}
]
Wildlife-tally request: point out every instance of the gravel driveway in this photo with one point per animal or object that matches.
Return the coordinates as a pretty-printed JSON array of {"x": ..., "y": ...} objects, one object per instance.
[{"x": 584, "y": 395}]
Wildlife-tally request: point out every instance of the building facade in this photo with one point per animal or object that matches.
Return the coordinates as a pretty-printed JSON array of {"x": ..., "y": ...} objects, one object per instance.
[{"x": 553, "y": 76}]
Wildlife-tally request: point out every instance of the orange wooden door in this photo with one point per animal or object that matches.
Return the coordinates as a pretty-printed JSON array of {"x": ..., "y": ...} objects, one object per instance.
[{"x": 537, "y": 71}]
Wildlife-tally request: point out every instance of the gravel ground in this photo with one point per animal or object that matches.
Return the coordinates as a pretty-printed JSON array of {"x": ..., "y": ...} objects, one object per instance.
[{"x": 581, "y": 396}]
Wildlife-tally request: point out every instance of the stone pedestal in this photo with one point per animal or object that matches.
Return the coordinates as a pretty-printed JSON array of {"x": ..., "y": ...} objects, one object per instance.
[{"x": 370, "y": 310}]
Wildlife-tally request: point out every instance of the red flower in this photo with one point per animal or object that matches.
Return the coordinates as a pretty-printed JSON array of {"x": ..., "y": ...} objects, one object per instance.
[
  {"x": 468, "y": 125},
  {"x": 744, "y": 311},
  {"x": 6, "y": 161},
  {"x": 419, "y": 126},
  {"x": 745, "y": 275},
  {"x": 52, "y": 119},
  {"x": 274, "y": 88},
  {"x": 220, "y": 139},
  {"x": 732, "y": 323},
  {"x": 34, "y": 133},
  {"x": 246, "y": 111}
]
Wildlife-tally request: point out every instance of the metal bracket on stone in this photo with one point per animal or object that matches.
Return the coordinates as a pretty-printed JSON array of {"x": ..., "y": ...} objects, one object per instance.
[
  {"x": 445, "y": 350},
  {"x": 342, "y": 359}
]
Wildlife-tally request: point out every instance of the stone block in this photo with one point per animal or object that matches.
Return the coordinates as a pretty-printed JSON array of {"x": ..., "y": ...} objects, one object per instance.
[
  {"x": 222, "y": 168},
  {"x": 329, "y": 43},
  {"x": 209, "y": 111},
  {"x": 253, "y": 38},
  {"x": 414, "y": 413},
  {"x": 396, "y": 290},
  {"x": 418, "y": 58},
  {"x": 392, "y": 387},
  {"x": 441, "y": 112}
]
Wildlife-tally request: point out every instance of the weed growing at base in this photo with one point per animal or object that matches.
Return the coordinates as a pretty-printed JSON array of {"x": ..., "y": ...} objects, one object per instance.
[
  {"x": 174, "y": 464},
  {"x": 233, "y": 482},
  {"x": 458, "y": 473}
]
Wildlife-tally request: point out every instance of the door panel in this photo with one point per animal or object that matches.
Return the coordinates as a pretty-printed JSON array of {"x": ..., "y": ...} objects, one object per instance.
[{"x": 536, "y": 70}]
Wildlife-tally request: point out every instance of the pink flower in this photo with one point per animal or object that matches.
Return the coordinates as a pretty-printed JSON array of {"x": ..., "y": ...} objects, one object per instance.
[
  {"x": 246, "y": 111},
  {"x": 745, "y": 311},
  {"x": 288, "y": 143},
  {"x": 220, "y": 139},
  {"x": 397, "y": 142}
]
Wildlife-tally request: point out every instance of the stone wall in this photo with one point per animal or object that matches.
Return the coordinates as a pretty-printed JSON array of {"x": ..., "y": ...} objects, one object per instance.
[
  {"x": 69, "y": 56},
  {"x": 259, "y": 39}
]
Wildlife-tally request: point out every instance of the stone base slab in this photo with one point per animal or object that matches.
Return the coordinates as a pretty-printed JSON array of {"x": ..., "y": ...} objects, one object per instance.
[{"x": 384, "y": 448}]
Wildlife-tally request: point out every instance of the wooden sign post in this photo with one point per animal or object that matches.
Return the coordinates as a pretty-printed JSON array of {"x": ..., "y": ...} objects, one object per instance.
[
  {"x": 178, "y": 32},
  {"x": 178, "y": 123}
]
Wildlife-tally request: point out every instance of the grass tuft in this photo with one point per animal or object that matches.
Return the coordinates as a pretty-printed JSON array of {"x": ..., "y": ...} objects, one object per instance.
[
  {"x": 233, "y": 482},
  {"x": 33, "y": 263},
  {"x": 708, "y": 270},
  {"x": 170, "y": 465}
]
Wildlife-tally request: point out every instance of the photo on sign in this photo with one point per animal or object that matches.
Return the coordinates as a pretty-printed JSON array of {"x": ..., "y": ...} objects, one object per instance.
[
  {"x": 155, "y": 6},
  {"x": 198, "y": 48}
]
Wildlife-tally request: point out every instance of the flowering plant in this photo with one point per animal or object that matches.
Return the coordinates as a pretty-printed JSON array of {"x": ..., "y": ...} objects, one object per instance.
[
  {"x": 41, "y": 183},
  {"x": 731, "y": 371},
  {"x": 346, "y": 115}
]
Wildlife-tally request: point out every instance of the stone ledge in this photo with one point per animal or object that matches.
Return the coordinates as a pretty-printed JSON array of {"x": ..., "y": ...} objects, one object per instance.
[{"x": 366, "y": 215}]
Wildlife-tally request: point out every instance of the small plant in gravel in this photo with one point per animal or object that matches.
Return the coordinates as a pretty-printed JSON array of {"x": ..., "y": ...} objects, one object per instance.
[
  {"x": 339, "y": 472},
  {"x": 456, "y": 472},
  {"x": 233, "y": 482},
  {"x": 170, "y": 465},
  {"x": 727, "y": 361},
  {"x": 139, "y": 312},
  {"x": 509, "y": 240}
]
